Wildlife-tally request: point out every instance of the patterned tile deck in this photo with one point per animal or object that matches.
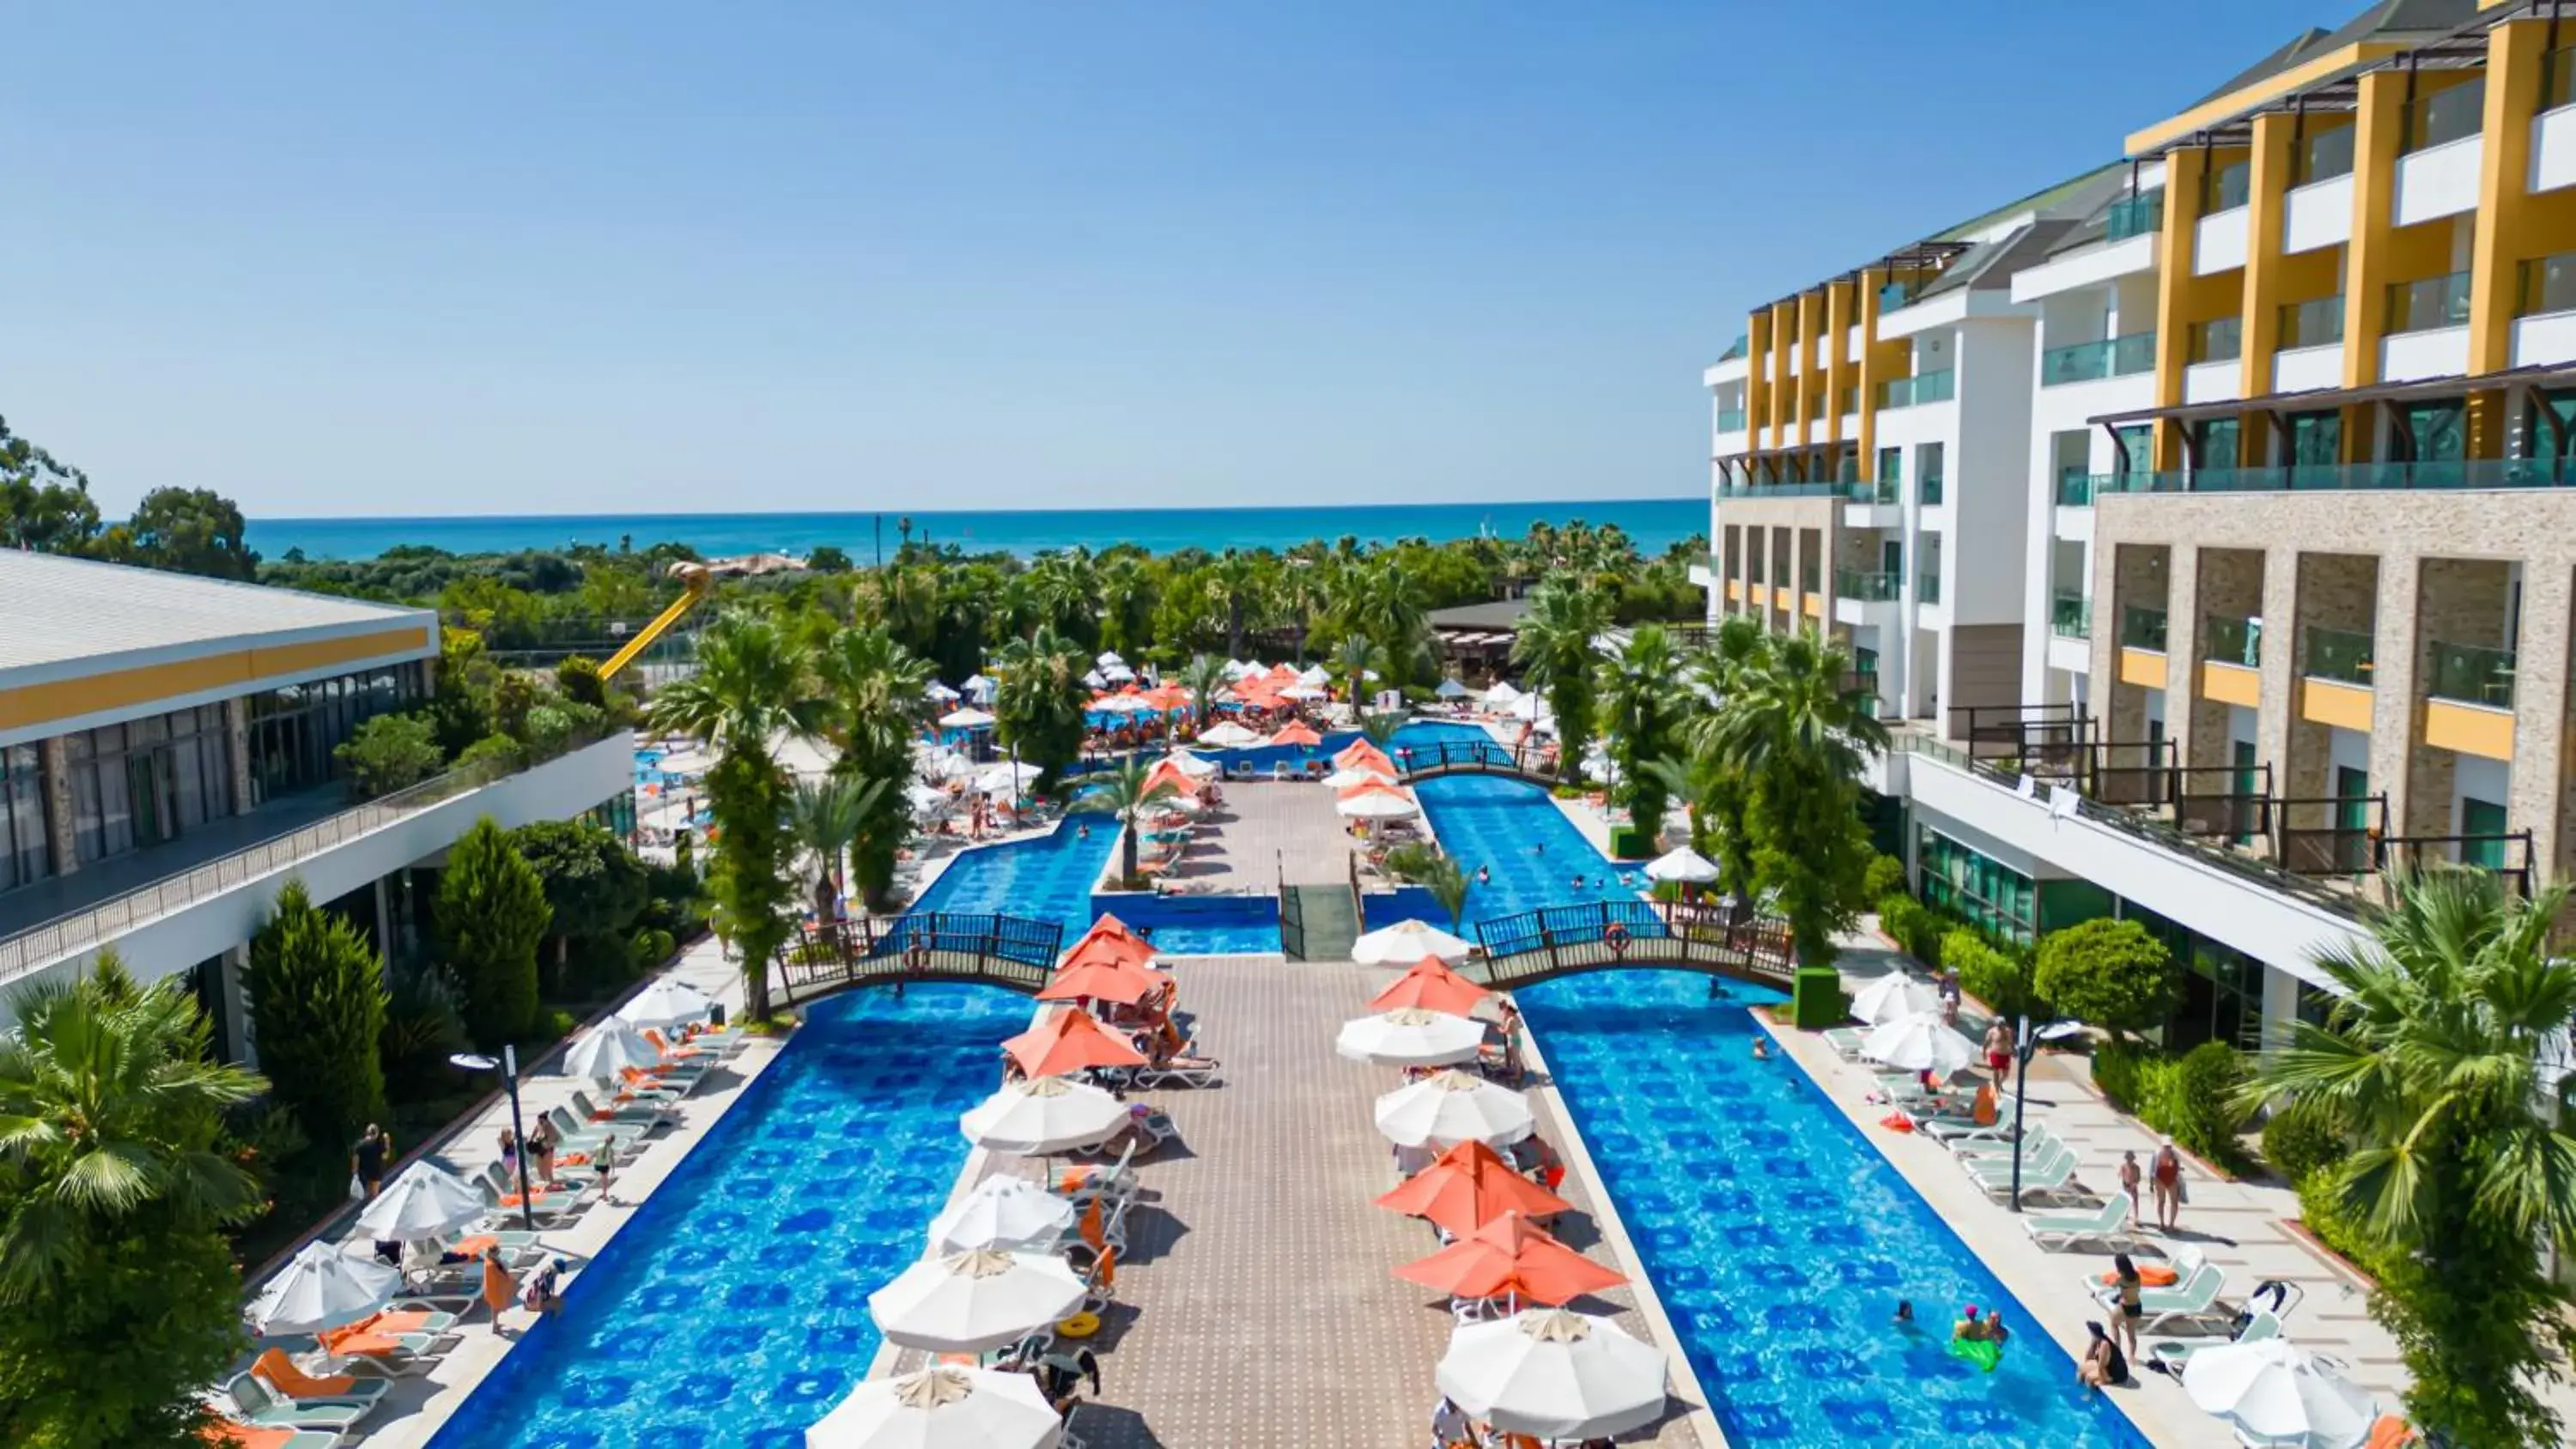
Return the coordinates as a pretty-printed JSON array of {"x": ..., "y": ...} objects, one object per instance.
[
  {"x": 1258, "y": 1310},
  {"x": 1260, "y": 824}
]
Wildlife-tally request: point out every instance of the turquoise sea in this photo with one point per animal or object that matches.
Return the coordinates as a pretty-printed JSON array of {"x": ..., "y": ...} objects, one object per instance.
[{"x": 1654, "y": 523}]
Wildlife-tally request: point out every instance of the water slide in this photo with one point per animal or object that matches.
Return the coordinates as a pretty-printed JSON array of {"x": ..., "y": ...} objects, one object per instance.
[{"x": 695, "y": 582}]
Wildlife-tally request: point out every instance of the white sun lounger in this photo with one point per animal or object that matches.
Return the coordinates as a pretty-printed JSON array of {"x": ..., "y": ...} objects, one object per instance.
[
  {"x": 2194, "y": 1299},
  {"x": 2173, "y": 1353},
  {"x": 2057, "y": 1232}
]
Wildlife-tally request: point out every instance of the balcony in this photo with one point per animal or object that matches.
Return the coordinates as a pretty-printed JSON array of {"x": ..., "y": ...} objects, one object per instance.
[
  {"x": 1927, "y": 587},
  {"x": 2075, "y": 487},
  {"x": 1736, "y": 348},
  {"x": 2442, "y": 117},
  {"x": 1930, "y": 387},
  {"x": 2136, "y": 215},
  {"x": 1730, "y": 420},
  {"x": 2344, "y": 656},
  {"x": 2233, "y": 639},
  {"x": 2433, "y": 302},
  {"x": 1780, "y": 490},
  {"x": 2470, "y": 674},
  {"x": 2070, "y": 616},
  {"x": 2142, "y": 628},
  {"x": 2431, "y": 476},
  {"x": 2217, "y": 340},
  {"x": 1931, "y": 487},
  {"x": 2441, "y": 155},
  {"x": 1870, "y": 490},
  {"x": 186, "y": 900},
  {"x": 2090, "y": 361},
  {"x": 1867, "y": 586}
]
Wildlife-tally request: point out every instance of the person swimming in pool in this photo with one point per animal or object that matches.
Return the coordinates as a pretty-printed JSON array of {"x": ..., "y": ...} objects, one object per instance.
[{"x": 1484, "y": 875}]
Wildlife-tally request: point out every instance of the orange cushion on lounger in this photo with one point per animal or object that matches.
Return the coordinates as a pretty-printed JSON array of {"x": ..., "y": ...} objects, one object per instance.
[
  {"x": 281, "y": 1374},
  {"x": 246, "y": 1436},
  {"x": 2151, "y": 1275},
  {"x": 473, "y": 1247}
]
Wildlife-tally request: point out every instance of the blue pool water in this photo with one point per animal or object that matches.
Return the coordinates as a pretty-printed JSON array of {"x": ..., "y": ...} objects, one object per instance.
[
  {"x": 1045, "y": 877},
  {"x": 1778, "y": 1239},
  {"x": 732, "y": 1312},
  {"x": 1198, "y": 925}
]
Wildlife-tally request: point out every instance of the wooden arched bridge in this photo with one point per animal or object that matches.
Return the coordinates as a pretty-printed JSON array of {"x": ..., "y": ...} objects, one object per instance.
[
  {"x": 1571, "y": 940},
  {"x": 826, "y": 958},
  {"x": 1469, "y": 757}
]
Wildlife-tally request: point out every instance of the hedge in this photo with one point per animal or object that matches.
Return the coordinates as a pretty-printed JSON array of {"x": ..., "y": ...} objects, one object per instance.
[
  {"x": 1998, "y": 978},
  {"x": 2192, "y": 1098},
  {"x": 2301, "y": 1138}
]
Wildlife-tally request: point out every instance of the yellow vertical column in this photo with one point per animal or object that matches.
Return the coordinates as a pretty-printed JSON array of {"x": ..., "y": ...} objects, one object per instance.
[
  {"x": 2516, "y": 55},
  {"x": 1865, "y": 300},
  {"x": 2183, "y": 168},
  {"x": 2267, "y": 184},
  {"x": 1784, "y": 388},
  {"x": 1812, "y": 404},
  {"x": 1757, "y": 377},
  {"x": 1838, "y": 372},
  {"x": 2377, "y": 123}
]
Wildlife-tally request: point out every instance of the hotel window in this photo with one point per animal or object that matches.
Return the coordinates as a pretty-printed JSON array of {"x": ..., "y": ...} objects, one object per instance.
[
  {"x": 24, "y": 856},
  {"x": 1959, "y": 879},
  {"x": 294, "y": 730},
  {"x": 140, "y": 783}
]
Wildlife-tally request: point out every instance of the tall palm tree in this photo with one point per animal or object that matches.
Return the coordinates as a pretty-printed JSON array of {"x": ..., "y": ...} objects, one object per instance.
[
  {"x": 1123, "y": 792},
  {"x": 1353, "y": 661},
  {"x": 1204, "y": 677},
  {"x": 1041, "y": 702},
  {"x": 1644, "y": 704},
  {"x": 875, "y": 691},
  {"x": 2440, "y": 1060},
  {"x": 1798, "y": 705},
  {"x": 1380, "y": 729},
  {"x": 753, "y": 687},
  {"x": 1554, "y": 650},
  {"x": 824, "y": 818}
]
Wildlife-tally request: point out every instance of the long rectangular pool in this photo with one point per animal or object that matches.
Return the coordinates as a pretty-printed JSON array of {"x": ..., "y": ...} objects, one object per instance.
[{"x": 1778, "y": 1239}]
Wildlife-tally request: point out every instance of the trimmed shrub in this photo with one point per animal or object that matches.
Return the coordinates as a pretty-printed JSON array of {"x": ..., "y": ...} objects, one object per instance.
[
  {"x": 2120, "y": 1069},
  {"x": 2300, "y": 1139},
  {"x": 2111, "y": 974},
  {"x": 2202, "y": 1107},
  {"x": 1910, "y": 924},
  {"x": 388, "y": 753},
  {"x": 1629, "y": 842},
  {"x": 1885, "y": 877},
  {"x": 317, "y": 1008},
  {"x": 1993, "y": 976},
  {"x": 2322, "y": 1211},
  {"x": 491, "y": 757}
]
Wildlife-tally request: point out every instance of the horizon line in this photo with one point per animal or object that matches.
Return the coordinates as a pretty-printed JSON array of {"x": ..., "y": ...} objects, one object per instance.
[{"x": 938, "y": 512}]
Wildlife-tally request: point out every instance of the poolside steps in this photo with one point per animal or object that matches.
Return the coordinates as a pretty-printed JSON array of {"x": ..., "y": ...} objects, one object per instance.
[{"x": 1332, "y": 921}]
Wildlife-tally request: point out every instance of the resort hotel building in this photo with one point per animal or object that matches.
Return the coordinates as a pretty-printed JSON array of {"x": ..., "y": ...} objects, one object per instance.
[
  {"x": 166, "y": 766},
  {"x": 2204, "y": 525}
]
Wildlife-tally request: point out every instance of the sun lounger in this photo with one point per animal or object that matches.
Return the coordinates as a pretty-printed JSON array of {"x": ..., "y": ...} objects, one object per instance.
[
  {"x": 576, "y": 1135},
  {"x": 2174, "y": 1353},
  {"x": 1846, "y": 1040},
  {"x": 278, "y": 1373},
  {"x": 2053, "y": 1171},
  {"x": 2193, "y": 1300},
  {"x": 2058, "y": 1232},
  {"x": 2000, "y": 1149},
  {"x": 502, "y": 1193},
  {"x": 1177, "y": 1073},
  {"x": 1117, "y": 1180},
  {"x": 629, "y": 1120},
  {"x": 261, "y": 1409}
]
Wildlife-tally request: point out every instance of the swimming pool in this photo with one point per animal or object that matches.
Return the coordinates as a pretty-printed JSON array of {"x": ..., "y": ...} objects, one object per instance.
[
  {"x": 1778, "y": 1238},
  {"x": 732, "y": 1311}
]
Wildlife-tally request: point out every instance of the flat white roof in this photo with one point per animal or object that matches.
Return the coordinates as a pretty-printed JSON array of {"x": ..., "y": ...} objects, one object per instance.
[{"x": 63, "y": 618}]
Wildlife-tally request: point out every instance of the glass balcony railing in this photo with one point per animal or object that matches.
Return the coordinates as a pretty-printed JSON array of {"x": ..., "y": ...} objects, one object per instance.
[
  {"x": 2317, "y": 323},
  {"x": 2421, "y": 306},
  {"x": 2343, "y": 655},
  {"x": 1736, "y": 348},
  {"x": 1896, "y": 295},
  {"x": 2136, "y": 215},
  {"x": 2226, "y": 187},
  {"x": 1871, "y": 490},
  {"x": 2075, "y": 487},
  {"x": 1930, "y": 488},
  {"x": 2218, "y": 340},
  {"x": 1780, "y": 490},
  {"x": 2445, "y": 115},
  {"x": 2471, "y": 674},
  {"x": 2431, "y": 476},
  {"x": 2235, "y": 640},
  {"x": 2558, "y": 78},
  {"x": 1932, "y": 387},
  {"x": 1927, "y": 586},
  {"x": 1866, "y": 586},
  {"x": 2142, "y": 628},
  {"x": 2322, "y": 156},
  {"x": 1730, "y": 420},
  {"x": 2087, "y": 361},
  {"x": 2546, "y": 284},
  {"x": 2070, "y": 616}
]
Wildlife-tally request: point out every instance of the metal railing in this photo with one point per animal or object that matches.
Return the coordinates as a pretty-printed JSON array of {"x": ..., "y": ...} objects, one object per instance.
[
  {"x": 1468, "y": 757},
  {"x": 2342, "y": 655},
  {"x": 2439, "y": 474},
  {"x": 2470, "y": 674},
  {"x": 2510, "y": 854},
  {"x": 2346, "y": 845},
  {"x": 1013, "y": 952},
  {"x": 2239, "y": 808},
  {"x": 1556, "y": 941},
  {"x": 73, "y": 931},
  {"x": 2089, "y": 361}
]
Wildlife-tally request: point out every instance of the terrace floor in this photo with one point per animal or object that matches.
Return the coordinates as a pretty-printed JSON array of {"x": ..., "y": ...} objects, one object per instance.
[{"x": 1265, "y": 830}]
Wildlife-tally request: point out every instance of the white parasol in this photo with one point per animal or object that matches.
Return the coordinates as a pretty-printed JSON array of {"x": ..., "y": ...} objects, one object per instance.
[
  {"x": 970, "y": 1302},
  {"x": 965, "y": 719},
  {"x": 1406, "y": 942},
  {"x": 1377, "y": 805},
  {"x": 608, "y": 1049},
  {"x": 1684, "y": 864},
  {"x": 1453, "y": 1107},
  {"x": 1920, "y": 1043},
  {"x": 2276, "y": 1393},
  {"x": 1893, "y": 996},
  {"x": 669, "y": 1001},
  {"x": 423, "y": 1201},
  {"x": 1553, "y": 1374},
  {"x": 1002, "y": 1212},
  {"x": 322, "y": 1287},
  {"x": 947, "y": 1407},
  {"x": 1047, "y": 1114},
  {"x": 1411, "y": 1037}
]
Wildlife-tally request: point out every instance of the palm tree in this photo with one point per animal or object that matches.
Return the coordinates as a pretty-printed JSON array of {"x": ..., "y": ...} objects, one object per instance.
[
  {"x": 1448, "y": 885},
  {"x": 1040, "y": 705},
  {"x": 1380, "y": 729},
  {"x": 824, "y": 818},
  {"x": 1642, "y": 696},
  {"x": 1555, "y": 652},
  {"x": 1123, "y": 793},
  {"x": 875, "y": 689},
  {"x": 2440, "y": 1060},
  {"x": 752, "y": 688},
  {"x": 1204, "y": 677},
  {"x": 1798, "y": 706},
  {"x": 1353, "y": 661}
]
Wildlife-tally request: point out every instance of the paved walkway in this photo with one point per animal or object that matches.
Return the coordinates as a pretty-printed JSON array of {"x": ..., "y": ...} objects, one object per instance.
[{"x": 1262, "y": 827}]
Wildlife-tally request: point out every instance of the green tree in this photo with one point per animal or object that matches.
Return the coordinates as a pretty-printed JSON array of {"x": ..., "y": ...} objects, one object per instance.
[
  {"x": 1353, "y": 661},
  {"x": 753, "y": 686},
  {"x": 2111, "y": 973},
  {"x": 388, "y": 753},
  {"x": 317, "y": 1010},
  {"x": 119, "y": 1301},
  {"x": 44, "y": 505},
  {"x": 2440, "y": 1060},
  {"x": 828, "y": 559},
  {"x": 872, "y": 687},
  {"x": 594, "y": 886},
  {"x": 577, "y": 679},
  {"x": 1801, "y": 738},
  {"x": 825, "y": 818},
  {"x": 1643, "y": 708},
  {"x": 1039, "y": 709},
  {"x": 1204, "y": 677},
  {"x": 492, "y": 912},
  {"x": 1122, "y": 792},
  {"x": 1448, "y": 885},
  {"x": 190, "y": 531},
  {"x": 1555, "y": 652}
]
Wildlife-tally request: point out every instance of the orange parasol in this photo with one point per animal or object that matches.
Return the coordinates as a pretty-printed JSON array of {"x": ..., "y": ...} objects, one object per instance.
[
  {"x": 1296, "y": 733},
  {"x": 1167, "y": 696},
  {"x": 1467, "y": 1187},
  {"x": 1362, "y": 753},
  {"x": 1431, "y": 986},
  {"x": 1511, "y": 1255},
  {"x": 1110, "y": 934},
  {"x": 1067, "y": 1042},
  {"x": 1167, "y": 773},
  {"x": 1102, "y": 974},
  {"x": 1370, "y": 787}
]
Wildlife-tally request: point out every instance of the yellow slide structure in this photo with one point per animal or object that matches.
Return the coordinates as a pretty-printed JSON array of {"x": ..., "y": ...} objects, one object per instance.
[{"x": 695, "y": 582}]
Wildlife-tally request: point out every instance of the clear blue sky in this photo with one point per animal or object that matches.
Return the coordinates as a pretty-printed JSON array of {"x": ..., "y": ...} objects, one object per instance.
[{"x": 393, "y": 259}]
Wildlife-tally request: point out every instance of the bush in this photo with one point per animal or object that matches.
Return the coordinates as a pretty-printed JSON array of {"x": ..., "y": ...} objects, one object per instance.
[
  {"x": 2120, "y": 1069},
  {"x": 577, "y": 679},
  {"x": 492, "y": 911},
  {"x": 561, "y": 1024},
  {"x": 1910, "y": 924},
  {"x": 2323, "y": 1212},
  {"x": 317, "y": 1007},
  {"x": 422, "y": 1027},
  {"x": 1885, "y": 877},
  {"x": 2203, "y": 1107},
  {"x": 649, "y": 948},
  {"x": 2301, "y": 1138},
  {"x": 1412, "y": 861},
  {"x": 2111, "y": 974},
  {"x": 1630, "y": 842},
  {"x": 1997, "y": 978},
  {"x": 388, "y": 753},
  {"x": 491, "y": 757}
]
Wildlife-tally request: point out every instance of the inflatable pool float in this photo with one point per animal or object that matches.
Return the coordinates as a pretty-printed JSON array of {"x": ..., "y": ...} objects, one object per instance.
[
  {"x": 1985, "y": 1353},
  {"x": 1084, "y": 1325}
]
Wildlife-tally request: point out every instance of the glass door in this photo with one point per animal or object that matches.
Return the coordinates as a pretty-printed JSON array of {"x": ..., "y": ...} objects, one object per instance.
[
  {"x": 2244, "y": 789},
  {"x": 2352, "y": 819}
]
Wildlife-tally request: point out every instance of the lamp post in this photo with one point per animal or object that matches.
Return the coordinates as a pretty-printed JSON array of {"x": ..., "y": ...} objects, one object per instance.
[
  {"x": 508, "y": 1067},
  {"x": 2026, "y": 1040}
]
